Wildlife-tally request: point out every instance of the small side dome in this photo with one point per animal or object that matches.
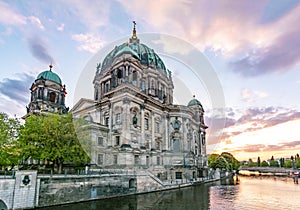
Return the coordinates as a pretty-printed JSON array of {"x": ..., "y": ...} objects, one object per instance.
[
  {"x": 194, "y": 102},
  {"x": 49, "y": 75}
]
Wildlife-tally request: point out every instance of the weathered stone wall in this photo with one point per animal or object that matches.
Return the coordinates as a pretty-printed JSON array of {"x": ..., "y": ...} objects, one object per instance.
[
  {"x": 147, "y": 184},
  {"x": 58, "y": 190},
  {"x": 7, "y": 191},
  {"x": 19, "y": 192},
  {"x": 27, "y": 190}
]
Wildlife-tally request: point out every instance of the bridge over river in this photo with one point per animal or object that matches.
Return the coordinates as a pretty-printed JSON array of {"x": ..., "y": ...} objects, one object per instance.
[{"x": 275, "y": 171}]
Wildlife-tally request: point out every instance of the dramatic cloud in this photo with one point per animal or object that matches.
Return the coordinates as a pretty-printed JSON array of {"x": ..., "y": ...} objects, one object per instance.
[
  {"x": 16, "y": 89},
  {"x": 40, "y": 50},
  {"x": 257, "y": 148},
  {"x": 282, "y": 55},
  {"x": 249, "y": 120},
  {"x": 88, "y": 42},
  {"x": 245, "y": 32}
]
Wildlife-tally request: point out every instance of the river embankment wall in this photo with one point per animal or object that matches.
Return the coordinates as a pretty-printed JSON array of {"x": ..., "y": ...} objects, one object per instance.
[{"x": 28, "y": 190}]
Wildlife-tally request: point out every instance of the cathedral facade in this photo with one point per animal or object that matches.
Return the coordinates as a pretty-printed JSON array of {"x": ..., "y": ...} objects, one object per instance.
[{"x": 133, "y": 122}]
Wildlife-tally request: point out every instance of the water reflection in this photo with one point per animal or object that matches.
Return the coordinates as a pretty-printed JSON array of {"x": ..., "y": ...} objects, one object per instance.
[
  {"x": 250, "y": 193},
  {"x": 256, "y": 193}
]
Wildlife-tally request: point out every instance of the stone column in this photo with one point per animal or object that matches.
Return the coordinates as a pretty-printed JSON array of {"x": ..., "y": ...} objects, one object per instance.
[
  {"x": 126, "y": 121},
  {"x": 110, "y": 123},
  {"x": 142, "y": 141},
  {"x": 152, "y": 143},
  {"x": 166, "y": 132}
]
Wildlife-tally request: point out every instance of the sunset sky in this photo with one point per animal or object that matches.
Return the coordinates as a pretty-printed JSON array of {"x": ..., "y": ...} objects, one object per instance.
[{"x": 253, "y": 48}]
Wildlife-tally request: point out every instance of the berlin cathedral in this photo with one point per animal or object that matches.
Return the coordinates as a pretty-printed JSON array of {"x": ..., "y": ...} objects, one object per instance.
[{"x": 133, "y": 122}]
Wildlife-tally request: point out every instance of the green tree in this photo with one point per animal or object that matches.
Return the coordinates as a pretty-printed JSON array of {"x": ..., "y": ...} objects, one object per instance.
[
  {"x": 288, "y": 164},
  {"x": 224, "y": 161},
  {"x": 233, "y": 163},
  {"x": 9, "y": 131},
  {"x": 251, "y": 163},
  {"x": 297, "y": 162},
  {"x": 264, "y": 164},
  {"x": 258, "y": 161},
  {"x": 212, "y": 160},
  {"x": 274, "y": 163},
  {"x": 53, "y": 138}
]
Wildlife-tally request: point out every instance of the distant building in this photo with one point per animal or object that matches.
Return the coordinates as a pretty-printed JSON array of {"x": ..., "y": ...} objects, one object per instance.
[{"x": 133, "y": 121}]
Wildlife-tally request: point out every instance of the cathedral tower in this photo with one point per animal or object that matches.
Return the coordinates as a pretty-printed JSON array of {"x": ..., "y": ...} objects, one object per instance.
[{"x": 47, "y": 94}]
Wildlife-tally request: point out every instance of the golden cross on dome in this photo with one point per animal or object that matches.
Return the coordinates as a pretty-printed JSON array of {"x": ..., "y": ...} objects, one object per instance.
[{"x": 134, "y": 30}]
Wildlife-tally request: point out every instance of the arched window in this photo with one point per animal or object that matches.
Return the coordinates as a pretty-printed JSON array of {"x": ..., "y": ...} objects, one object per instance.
[
  {"x": 152, "y": 85},
  {"x": 176, "y": 145},
  {"x": 52, "y": 97},
  {"x": 2, "y": 205},
  {"x": 202, "y": 138},
  {"x": 96, "y": 93},
  {"x": 106, "y": 87},
  {"x": 132, "y": 183},
  {"x": 120, "y": 74},
  {"x": 40, "y": 93},
  {"x": 143, "y": 86},
  {"x": 134, "y": 78},
  {"x": 120, "y": 77},
  {"x": 146, "y": 122}
]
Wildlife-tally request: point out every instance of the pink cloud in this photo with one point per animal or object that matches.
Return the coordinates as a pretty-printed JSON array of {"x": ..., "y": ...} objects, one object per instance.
[
  {"x": 235, "y": 29},
  {"x": 249, "y": 120}
]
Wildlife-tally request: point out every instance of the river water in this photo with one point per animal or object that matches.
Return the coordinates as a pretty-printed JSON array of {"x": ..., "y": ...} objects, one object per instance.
[{"x": 250, "y": 193}]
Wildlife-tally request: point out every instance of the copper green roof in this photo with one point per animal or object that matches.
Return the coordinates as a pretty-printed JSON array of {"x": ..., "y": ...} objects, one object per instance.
[
  {"x": 49, "y": 75},
  {"x": 142, "y": 52},
  {"x": 194, "y": 102},
  {"x": 128, "y": 50}
]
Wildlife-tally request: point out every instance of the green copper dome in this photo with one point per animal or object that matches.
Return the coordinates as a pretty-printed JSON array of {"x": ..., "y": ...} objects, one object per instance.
[
  {"x": 194, "y": 102},
  {"x": 143, "y": 53},
  {"x": 49, "y": 75}
]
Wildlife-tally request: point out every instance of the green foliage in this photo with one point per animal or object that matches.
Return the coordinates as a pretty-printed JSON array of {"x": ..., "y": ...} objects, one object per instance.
[
  {"x": 212, "y": 160},
  {"x": 52, "y": 138},
  {"x": 9, "y": 131},
  {"x": 274, "y": 163},
  {"x": 258, "y": 161},
  {"x": 297, "y": 162},
  {"x": 223, "y": 161},
  {"x": 252, "y": 164},
  {"x": 264, "y": 164},
  {"x": 288, "y": 164}
]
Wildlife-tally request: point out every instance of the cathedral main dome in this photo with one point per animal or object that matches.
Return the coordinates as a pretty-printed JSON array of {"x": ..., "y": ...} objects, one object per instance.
[
  {"x": 140, "y": 51},
  {"x": 137, "y": 66}
]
